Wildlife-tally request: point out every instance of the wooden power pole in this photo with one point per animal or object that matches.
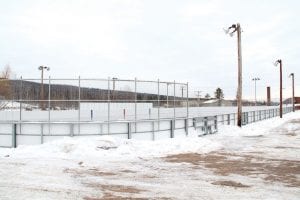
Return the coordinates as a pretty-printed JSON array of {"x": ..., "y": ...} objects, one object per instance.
[
  {"x": 239, "y": 94},
  {"x": 237, "y": 28}
]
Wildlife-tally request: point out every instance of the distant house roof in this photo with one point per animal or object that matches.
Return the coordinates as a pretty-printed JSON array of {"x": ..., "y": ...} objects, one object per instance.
[{"x": 211, "y": 101}]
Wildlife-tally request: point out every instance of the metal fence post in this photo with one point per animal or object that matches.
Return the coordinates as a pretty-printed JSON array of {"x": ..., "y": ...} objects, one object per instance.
[
  {"x": 135, "y": 104},
  {"x": 187, "y": 109},
  {"x": 153, "y": 131},
  {"x": 259, "y": 113},
  {"x": 129, "y": 130},
  {"x": 71, "y": 130},
  {"x": 228, "y": 119},
  {"x": 172, "y": 124},
  {"x": 234, "y": 118},
  {"x": 216, "y": 122},
  {"x": 108, "y": 105},
  {"x": 21, "y": 106},
  {"x": 174, "y": 109},
  {"x": 49, "y": 106},
  {"x": 42, "y": 133},
  {"x": 14, "y": 135},
  {"x": 158, "y": 104},
  {"x": 79, "y": 105},
  {"x": 186, "y": 126},
  {"x": 205, "y": 126}
]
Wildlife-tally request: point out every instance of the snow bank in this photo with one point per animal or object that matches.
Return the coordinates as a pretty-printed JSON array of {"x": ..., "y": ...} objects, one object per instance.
[
  {"x": 107, "y": 147},
  {"x": 110, "y": 148}
]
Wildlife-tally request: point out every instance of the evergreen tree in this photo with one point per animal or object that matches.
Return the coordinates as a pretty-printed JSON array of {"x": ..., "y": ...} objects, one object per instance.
[{"x": 219, "y": 94}]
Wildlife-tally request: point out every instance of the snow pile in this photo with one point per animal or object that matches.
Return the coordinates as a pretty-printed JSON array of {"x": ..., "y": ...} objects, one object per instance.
[
  {"x": 210, "y": 101},
  {"x": 107, "y": 147},
  {"x": 110, "y": 148}
]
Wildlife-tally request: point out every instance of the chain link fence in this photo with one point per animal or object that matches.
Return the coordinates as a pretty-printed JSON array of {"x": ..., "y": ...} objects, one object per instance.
[{"x": 33, "y": 111}]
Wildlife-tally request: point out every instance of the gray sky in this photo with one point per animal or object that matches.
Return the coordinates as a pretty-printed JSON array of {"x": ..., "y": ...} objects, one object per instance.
[{"x": 178, "y": 40}]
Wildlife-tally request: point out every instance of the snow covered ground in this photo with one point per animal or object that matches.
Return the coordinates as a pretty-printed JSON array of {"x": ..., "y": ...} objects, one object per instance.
[{"x": 258, "y": 161}]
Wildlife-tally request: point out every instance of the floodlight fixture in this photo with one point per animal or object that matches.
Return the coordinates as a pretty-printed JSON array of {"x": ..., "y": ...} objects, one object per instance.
[
  {"x": 227, "y": 30},
  {"x": 277, "y": 62},
  {"x": 42, "y": 67}
]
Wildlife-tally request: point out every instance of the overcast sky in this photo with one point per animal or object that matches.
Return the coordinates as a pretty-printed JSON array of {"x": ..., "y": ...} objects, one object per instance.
[{"x": 178, "y": 40}]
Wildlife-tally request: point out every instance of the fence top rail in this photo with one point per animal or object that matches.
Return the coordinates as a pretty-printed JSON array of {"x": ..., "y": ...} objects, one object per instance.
[
  {"x": 89, "y": 122},
  {"x": 177, "y": 99},
  {"x": 94, "y": 79}
]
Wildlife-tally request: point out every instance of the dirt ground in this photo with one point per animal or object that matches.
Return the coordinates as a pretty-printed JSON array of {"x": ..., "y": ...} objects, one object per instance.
[
  {"x": 251, "y": 165},
  {"x": 219, "y": 169}
]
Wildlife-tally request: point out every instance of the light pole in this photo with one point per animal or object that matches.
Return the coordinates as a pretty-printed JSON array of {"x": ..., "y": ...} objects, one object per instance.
[
  {"x": 237, "y": 28},
  {"x": 255, "y": 79},
  {"x": 114, "y": 84},
  {"x": 293, "y": 91},
  {"x": 280, "y": 104},
  {"x": 114, "y": 87},
  {"x": 182, "y": 89},
  {"x": 42, "y": 68}
]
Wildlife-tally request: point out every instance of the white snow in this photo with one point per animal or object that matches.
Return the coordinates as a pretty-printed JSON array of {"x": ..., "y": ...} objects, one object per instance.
[
  {"x": 46, "y": 171},
  {"x": 117, "y": 112},
  {"x": 210, "y": 101}
]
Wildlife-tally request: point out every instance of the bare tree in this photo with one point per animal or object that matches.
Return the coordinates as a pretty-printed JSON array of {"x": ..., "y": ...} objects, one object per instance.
[
  {"x": 6, "y": 72},
  {"x": 5, "y": 88}
]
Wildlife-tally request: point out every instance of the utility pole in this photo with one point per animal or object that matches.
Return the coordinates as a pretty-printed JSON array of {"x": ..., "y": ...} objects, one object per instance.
[
  {"x": 280, "y": 104},
  {"x": 255, "y": 79},
  {"x": 42, "y": 85},
  {"x": 237, "y": 28},
  {"x": 293, "y": 91}
]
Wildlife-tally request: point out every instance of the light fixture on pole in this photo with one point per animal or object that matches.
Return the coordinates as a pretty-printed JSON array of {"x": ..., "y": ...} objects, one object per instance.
[
  {"x": 231, "y": 30},
  {"x": 255, "y": 79},
  {"x": 280, "y": 66},
  {"x": 42, "y": 68},
  {"x": 293, "y": 90}
]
